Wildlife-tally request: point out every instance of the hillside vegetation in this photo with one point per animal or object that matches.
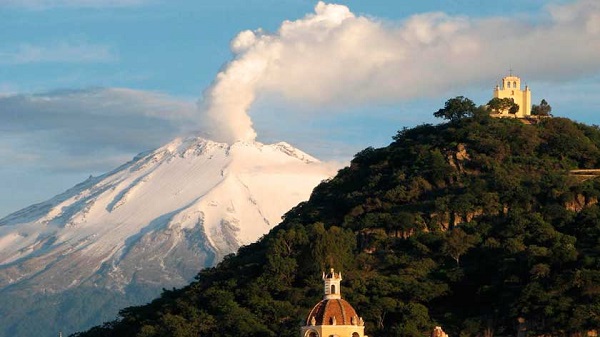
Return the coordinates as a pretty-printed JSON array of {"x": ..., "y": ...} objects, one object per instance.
[{"x": 476, "y": 225}]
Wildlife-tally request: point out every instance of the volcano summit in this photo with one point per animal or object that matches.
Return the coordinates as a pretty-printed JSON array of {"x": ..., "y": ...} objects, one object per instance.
[{"x": 151, "y": 223}]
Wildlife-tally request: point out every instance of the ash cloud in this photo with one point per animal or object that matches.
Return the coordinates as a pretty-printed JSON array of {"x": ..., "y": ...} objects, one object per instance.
[{"x": 334, "y": 57}]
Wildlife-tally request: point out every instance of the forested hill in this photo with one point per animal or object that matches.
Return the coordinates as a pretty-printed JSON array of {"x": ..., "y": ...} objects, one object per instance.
[{"x": 472, "y": 224}]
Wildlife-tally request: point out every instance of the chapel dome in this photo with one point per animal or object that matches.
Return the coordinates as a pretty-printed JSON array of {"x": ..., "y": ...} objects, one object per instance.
[{"x": 333, "y": 312}]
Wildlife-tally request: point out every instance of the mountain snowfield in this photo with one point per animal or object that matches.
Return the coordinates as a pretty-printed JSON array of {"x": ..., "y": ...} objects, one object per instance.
[{"x": 156, "y": 220}]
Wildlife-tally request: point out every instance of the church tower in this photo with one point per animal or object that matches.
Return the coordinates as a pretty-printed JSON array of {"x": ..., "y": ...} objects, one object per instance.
[
  {"x": 333, "y": 316},
  {"x": 511, "y": 88}
]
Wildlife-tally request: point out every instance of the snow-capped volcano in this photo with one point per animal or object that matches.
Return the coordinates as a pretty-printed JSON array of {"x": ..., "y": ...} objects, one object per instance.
[{"x": 156, "y": 220}]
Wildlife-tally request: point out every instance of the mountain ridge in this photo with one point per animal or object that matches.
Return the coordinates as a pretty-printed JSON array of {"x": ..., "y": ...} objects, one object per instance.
[{"x": 155, "y": 220}]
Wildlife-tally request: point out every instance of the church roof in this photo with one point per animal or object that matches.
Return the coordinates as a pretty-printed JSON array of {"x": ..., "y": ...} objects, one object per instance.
[{"x": 329, "y": 311}]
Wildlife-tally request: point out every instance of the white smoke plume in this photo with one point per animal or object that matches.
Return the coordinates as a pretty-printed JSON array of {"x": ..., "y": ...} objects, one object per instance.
[{"x": 334, "y": 57}]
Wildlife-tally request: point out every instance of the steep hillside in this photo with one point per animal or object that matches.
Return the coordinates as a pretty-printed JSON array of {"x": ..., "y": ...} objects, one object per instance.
[{"x": 477, "y": 225}]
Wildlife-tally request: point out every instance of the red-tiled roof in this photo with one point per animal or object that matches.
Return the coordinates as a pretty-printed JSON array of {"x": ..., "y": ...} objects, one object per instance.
[{"x": 325, "y": 310}]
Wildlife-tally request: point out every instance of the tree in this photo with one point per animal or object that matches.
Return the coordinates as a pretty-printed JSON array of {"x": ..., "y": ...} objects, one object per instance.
[
  {"x": 458, "y": 243},
  {"x": 332, "y": 247},
  {"x": 499, "y": 105},
  {"x": 544, "y": 109},
  {"x": 456, "y": 108}
]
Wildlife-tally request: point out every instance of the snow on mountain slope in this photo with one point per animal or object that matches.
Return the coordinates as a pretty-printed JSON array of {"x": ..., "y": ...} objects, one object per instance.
[{"x": 157, "y": 219}]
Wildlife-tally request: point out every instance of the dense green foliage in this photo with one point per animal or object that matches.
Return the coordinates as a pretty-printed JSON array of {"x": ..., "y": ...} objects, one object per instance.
[
  {"x": 544, "y": 109},
  {"x": 470, "y": 225},
  {"x": 498, "y": 105},
  {"x": 456, "y": 108}
]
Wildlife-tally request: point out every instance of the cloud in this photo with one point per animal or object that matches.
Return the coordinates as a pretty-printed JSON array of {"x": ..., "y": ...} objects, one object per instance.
[
  {"x": 336, "y": 58},
  {"x": 7, "y": 89},
  {"x": 329, "y": 60},
  {"x": 59, "y": 52},
  {"x": 45, "y": 4},
  {"x": 94, "y": 129}
]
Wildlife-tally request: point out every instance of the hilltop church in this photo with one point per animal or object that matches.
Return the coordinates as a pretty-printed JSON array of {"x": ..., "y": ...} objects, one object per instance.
[{"x": 511, "y": 88}]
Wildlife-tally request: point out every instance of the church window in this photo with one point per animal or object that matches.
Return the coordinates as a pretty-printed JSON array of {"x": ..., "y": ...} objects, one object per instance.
[
  {"x": 515, "y": 84},
  {"x": 355, "y": 334},
  {"x": 313, "y": 334},
  {"x": 508, "y": 84},
  {"x": 333, "y": 288}
]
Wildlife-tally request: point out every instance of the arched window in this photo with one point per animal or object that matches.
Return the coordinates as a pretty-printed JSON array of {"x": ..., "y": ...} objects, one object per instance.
[
  {"x": 333, "y": 288},
  {"x": 355, "y": 334},
  {"x": 508, "y": 84},
  {"x": 515, "y": 84},
  {"x": 312, "y": 334}
]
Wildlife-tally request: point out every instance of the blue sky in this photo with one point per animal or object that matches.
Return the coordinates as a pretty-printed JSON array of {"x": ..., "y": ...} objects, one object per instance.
[{"x": 87, "y": 84}]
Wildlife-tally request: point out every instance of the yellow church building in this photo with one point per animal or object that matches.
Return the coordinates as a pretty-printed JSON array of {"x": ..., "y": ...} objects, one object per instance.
[
  {"x": 333, "y": 316},
  {"x": 511, "y": 88}
]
